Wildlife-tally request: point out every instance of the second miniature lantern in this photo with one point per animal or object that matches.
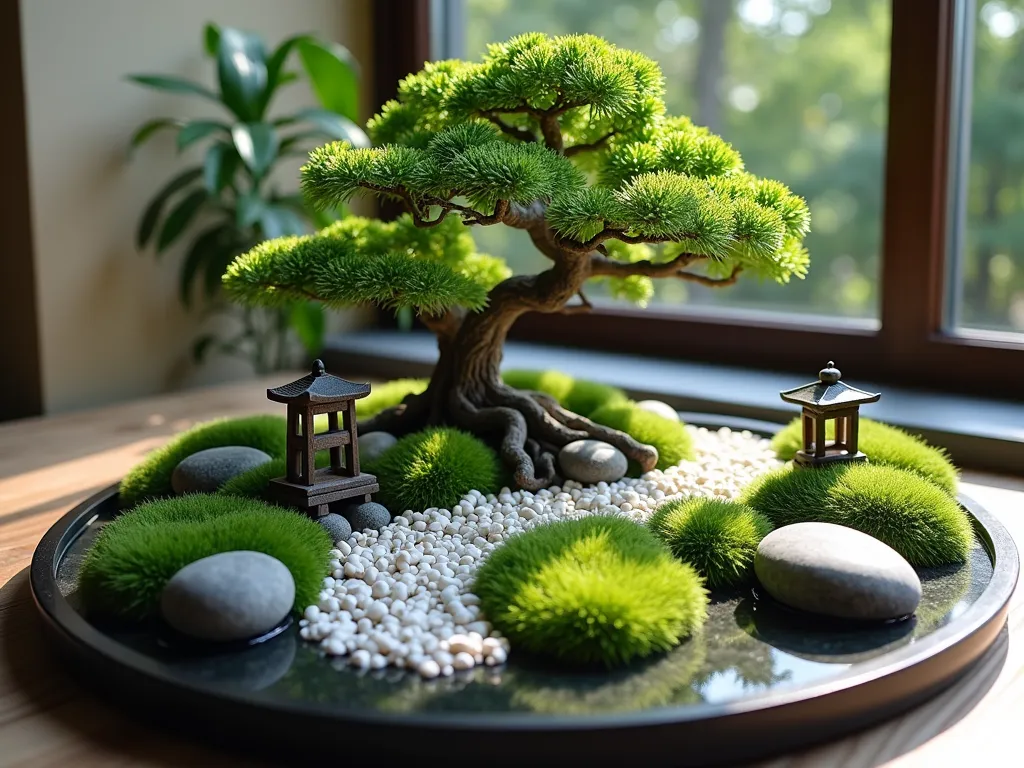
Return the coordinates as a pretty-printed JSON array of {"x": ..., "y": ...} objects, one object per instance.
[
  {"x": 305, "y": 486},
  {"x": 824, "y": 400}
]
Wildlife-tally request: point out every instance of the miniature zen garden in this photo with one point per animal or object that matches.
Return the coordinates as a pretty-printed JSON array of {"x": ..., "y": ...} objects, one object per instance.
[{"x": 439, "y": 525}]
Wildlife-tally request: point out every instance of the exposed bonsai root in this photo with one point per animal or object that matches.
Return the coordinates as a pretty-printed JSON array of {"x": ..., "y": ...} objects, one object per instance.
[
  {"x": 644, "y": 455},
  {"x": 410, "y": 415},
  {"x": 512, "y": 425}
]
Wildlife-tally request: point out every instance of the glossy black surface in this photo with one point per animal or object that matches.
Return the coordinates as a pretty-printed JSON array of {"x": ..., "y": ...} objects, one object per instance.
[{"x": 749, "y": 646}]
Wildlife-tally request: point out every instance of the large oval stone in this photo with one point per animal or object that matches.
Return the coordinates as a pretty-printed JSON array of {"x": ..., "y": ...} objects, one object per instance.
[
  {"x": 206, "y": 471},
  {"x": 369, "y": 514},
  {"x": 664, "y": 410},
  {"x": 373, "y": 444},
  {"x": 592, "y": 461},
  {"x": 836, "y": 571},
  {"x": 228, "y": 596}
]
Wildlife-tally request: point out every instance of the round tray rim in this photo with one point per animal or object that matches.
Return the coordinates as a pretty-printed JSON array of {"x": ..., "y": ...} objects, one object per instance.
[{"x": 973, "y": 632}]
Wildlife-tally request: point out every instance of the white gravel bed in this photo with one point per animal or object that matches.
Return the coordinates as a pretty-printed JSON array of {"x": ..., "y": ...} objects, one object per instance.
[{"x": 404, "y": 596}]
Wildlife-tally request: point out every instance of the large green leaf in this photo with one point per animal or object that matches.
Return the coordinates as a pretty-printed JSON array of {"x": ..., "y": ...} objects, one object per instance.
[
  {"x": 248, "y": 209},
  {"x": 209, "y": 243},
  {"x": 147, "y": 225},
  {"x": 219, "y": 166},
  {"x": 276, "y": 76},
  {"x": 334, "y": 75},
  {"x": 334, "y": 126},
  {"x": 242, "y": 70},
  {"x": 257, "y": 146},
  {"x": 308, "y": 322},
  {"x": 211, "y": 39},
  {"x": 199, "y": 129},
  {"x": 148, "y": 129},
  {"x": 179, "y": 218},
  {"x": 278, "y": 221},
  {"x": 174, "y": 85}
]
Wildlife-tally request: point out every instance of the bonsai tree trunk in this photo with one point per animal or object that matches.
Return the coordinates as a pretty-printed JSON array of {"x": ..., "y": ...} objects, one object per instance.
[{"x": 466, "y": 389}]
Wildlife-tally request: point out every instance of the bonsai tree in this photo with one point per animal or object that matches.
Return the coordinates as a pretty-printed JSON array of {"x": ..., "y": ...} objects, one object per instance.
[{"x": 567, "y": 139}]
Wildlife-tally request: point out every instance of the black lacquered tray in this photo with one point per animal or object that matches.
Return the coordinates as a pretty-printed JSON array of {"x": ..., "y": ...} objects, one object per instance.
[{"x": 758, "y": 679}]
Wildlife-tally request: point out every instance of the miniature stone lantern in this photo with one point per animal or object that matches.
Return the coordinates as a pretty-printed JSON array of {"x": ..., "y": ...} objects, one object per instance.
[
  {"x": 306, "y": 487},
  {"x": 822, "y": 400}
]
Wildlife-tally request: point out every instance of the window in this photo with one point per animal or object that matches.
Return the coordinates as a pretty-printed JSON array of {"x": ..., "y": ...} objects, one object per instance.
[
  {"x": 899, "y": 120},
  {"x": 987, "y": 247}
]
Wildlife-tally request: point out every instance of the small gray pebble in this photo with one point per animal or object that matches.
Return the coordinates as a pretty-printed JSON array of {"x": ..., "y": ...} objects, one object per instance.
[
  {"x": 369, "y": 514},
  {"x": 591, "y": 461},
  {"x": 206, "y": 471},
  {"x": 836, "y": 571},
  {"x": 661, "y": 409},
  {"x": 337, "y": 526},
  {"x": 373, "y": 444},
  {"x": 228, "y": 596}
]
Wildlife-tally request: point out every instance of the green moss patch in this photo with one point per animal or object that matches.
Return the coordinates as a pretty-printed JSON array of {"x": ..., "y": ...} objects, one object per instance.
[
  {"x": 254, "y": 483},
  {"x": 434, "y": 468},
  {"x": 388, "y": 394},
  {"x": 718, "y": 538},
  {"x": 912, "y": 515},
  {"x": 600, "y": 589},
  {"x": 135, "y": 555},
  {"x": 671, "y": 438},
  {"x": 579, "y": 396},
  {"x": 151, "y": 478},
  {"x": 884, "y": 444}
]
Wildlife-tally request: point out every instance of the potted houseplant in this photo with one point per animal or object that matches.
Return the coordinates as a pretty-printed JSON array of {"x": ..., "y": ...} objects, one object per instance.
[{"x": 229, "y": 202}]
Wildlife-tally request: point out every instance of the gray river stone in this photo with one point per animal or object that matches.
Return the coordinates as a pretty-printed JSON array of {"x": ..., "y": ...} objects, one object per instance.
[
  {"x": 337, "y": 526},
  {"x": 661, "y": 409},
  {"x": 228, "y": 596},
  {"x": 369, "y": 514},
  {"x": 373, "y": 444},
  {"x": 592, "y": 461},
  {"x": 206, "y": 471},
  {"x": 836, "y": 571}
]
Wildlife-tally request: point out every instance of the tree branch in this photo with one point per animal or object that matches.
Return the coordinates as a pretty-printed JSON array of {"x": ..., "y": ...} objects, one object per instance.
[
  {"x": 578, "y": 309},
  {"x": 511, "y": 130},
  {"x": 602, "y": 266},
  {"x": 551, "y": 130},
  {"x": 575, "y": 149}
]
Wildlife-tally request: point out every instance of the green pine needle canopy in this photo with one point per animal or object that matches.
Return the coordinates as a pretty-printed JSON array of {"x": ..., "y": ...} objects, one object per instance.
[{"x": 565, "y": 138}]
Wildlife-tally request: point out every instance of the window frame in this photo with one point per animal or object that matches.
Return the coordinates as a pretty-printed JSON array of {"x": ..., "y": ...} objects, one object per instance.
[{"x": 911, "y": 345}]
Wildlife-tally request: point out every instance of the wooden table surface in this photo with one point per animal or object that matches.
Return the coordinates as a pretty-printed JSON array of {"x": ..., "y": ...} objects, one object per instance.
[{"x": 48, "y": 465}]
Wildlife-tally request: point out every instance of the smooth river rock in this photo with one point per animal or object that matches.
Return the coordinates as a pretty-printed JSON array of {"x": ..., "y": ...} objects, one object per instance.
[
  {"x": 228, "y": 596},
  {"x": 373, "y": 444},
  {"x": 206, "y": 471},
  {"x": 591, "y": 461},
  {"x": 836, "y": 571},
  {"x": 369, "y": 514},
  {"x": 337, "y": 526},
  {"x": 662, "y": 409}
]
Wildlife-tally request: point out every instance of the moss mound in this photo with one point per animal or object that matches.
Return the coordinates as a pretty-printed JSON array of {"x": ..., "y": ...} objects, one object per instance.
[
  {"x": 600, "y": 589},
  {"x": 912, "y": 515},
  {"x": 434, "y": 468},
  {"x": 579, "y": 396},
  {"x": 718, "y": 538},
  {"x": 254, "y": 483},
  {"x": 884, "y": 444},
  {"x": 671, "y": 438},
  {"x": 388, "y": 394},
  {"x": 136, "y": 554},
  {"x": 152, "y": 476}
]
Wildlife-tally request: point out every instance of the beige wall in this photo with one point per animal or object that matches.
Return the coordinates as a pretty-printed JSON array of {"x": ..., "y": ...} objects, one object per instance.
[{"x": 111, "y": 326}]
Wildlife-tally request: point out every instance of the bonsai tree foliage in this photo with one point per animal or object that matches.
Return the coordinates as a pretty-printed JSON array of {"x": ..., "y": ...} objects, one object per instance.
[{"x": 565, "y": 138}]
